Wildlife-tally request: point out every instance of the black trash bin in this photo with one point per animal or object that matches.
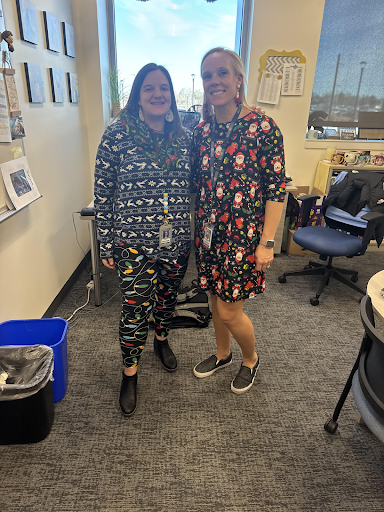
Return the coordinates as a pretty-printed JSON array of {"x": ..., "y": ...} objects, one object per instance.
[{"x": 26, "y": 395}]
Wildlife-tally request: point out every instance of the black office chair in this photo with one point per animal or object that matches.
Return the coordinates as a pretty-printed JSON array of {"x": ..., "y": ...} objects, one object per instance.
[
  {"x": 189, "y": 119},
  {"x": 366, "y": 378},
  {"x": 330, "y": 242}
]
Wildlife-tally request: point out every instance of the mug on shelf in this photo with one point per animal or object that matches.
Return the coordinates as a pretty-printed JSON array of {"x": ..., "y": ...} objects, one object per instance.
[
  {"x": 351, "y": 157},
  {"x": 379, "y": 159},
  {"x": 338, "y": 158},
  {"x": 312, "y": 134},
  {"x": 364, "y": 158}
]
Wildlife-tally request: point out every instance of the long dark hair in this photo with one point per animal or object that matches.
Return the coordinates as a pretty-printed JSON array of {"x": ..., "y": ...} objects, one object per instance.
[{"x": 132, "y": 106}]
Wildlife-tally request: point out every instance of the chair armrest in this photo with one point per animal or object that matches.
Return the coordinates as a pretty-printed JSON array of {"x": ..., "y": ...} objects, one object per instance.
[
  {"x": 307, "y": 197},
  {"x": 374, "y": 229},
  {"x": 373, "y": 216}
]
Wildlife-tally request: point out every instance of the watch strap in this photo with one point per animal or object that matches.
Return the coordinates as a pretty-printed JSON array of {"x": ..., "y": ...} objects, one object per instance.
[{"x": 270, "y": 244}]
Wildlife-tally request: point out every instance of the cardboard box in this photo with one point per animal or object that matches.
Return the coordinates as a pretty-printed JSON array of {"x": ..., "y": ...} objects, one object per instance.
[{"x": 296, "y": 250}]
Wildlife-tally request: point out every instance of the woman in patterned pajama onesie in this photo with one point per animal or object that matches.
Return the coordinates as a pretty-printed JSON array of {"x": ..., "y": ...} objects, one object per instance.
[
  {"x": 142, "y": 206},
  {"x": 238, "y": 168}
]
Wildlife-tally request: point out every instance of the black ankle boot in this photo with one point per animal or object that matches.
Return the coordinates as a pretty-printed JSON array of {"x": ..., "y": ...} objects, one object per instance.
[
  {"x": 165, "y": 354},
  {"x": 128, "y": 394}
]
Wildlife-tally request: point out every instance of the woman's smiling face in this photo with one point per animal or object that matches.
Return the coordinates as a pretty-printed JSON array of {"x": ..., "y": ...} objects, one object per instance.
[
  {"x": 155, "y": 95},
  {"x": 219, "y": 79}
]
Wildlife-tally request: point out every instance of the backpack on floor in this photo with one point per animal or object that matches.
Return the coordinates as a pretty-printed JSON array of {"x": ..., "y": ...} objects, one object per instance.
[{"x": 192, "y": 309}]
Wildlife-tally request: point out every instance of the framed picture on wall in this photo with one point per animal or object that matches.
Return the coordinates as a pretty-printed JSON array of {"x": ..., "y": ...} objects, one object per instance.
[
  {"x": 52, "y": 32},
  {"x": 69, "y": 40},
  {"x": 35, "y": 84},
  {"x": 27, "y": 21},
  {"x": 73, "y": 87},
  {"x": 57, "y": 84}
]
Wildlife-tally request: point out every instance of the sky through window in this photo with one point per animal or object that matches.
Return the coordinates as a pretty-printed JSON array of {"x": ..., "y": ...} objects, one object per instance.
[{"x": 175, "y": 34}]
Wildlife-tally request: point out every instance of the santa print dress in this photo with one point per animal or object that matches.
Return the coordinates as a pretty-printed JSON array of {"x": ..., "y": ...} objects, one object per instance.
[{"x": 252, "y": 173}]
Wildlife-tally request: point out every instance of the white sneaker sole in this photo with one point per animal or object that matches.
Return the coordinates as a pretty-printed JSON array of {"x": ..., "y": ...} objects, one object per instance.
[
  {"x": 243, "y": 390},
  {"x": 207, "y": 374}
]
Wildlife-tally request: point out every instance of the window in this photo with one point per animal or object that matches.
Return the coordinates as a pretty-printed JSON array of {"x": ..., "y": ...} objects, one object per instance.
[
  {"x": 348, "y": 88},
  {"x": 175, "y": 34}
]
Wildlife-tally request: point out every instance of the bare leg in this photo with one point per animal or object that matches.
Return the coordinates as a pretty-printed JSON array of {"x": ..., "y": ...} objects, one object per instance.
[
  {"x": 222, "y": 333},
  {"x": 231, "y": 318}
]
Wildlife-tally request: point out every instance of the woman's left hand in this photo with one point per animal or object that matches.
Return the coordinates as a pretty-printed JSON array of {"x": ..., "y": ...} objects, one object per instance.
[
  {"x": 258, "y": 110},
  {"x": 263, "y": 257}
]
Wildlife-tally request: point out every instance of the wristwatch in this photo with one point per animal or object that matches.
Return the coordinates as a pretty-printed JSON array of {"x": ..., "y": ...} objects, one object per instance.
[{"x": 267, "y": 243}]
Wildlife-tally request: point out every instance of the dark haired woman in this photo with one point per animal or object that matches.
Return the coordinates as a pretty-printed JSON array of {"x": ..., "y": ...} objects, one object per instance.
[{"x": 142, "y": 209}]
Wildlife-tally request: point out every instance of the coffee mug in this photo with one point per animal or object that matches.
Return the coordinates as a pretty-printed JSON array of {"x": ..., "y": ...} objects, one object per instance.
[
  {"x": 338, "y": 159},
  {"x": 351, "y": 157},
  {"x": 363, "y": 159},
  {"x": 379, "y": 159}
]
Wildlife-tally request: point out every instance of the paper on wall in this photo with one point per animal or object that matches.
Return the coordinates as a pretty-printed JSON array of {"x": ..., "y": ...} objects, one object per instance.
[
  {"x": 19, "y": 183},
  {"x": 270, "y": 87},
  {"x": 13, "y": 98},
  {"x": 5, "y": 132},
  {"x": 275, "y": 63},
  {"x": 293, "y": 80}
]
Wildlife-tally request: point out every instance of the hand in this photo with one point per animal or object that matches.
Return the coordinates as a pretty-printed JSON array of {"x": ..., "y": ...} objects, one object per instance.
[
  {"x": 263, "y": 257},
  {"x": 109, "y": 263},
  {"x": 259, "y": 110}
]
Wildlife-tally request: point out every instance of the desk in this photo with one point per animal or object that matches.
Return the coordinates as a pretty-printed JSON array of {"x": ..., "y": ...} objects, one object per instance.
[
  {"x": 375, "y": 284},
  {"x": 89, "y": 215}
]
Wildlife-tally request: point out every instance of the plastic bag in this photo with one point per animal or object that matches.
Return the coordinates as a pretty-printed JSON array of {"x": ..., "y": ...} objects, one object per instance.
[{"x": 24, "y": 370}]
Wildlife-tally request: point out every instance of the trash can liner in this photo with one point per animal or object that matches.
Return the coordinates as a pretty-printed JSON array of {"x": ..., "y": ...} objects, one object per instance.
[{"x": 25, "y": 369}]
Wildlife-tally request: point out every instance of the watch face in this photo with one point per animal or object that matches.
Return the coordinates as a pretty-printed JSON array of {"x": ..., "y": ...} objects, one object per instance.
[{"x": 270, "y": 243}]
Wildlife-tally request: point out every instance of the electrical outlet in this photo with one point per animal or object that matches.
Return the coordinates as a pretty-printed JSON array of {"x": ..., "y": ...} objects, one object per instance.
[{"x": 90, "y": 285}]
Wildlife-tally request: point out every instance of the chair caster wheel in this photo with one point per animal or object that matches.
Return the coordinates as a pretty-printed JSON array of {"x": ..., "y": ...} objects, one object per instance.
[
  {"x": 354, "y": 279},
  {"x": 282, "y": 279},
  {"x": 331, "y": 426},
  {"x": 314, "y": 301}
]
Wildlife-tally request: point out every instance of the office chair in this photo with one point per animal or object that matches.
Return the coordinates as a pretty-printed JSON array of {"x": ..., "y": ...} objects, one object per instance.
[
  {"x": 329, "y": 242},
  {"x": 366, "y": 378},
  {"x": 189, "y": 119}
]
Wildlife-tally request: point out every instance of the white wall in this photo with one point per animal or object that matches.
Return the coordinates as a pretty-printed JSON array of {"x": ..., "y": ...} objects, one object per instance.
[
  {"x": 38, "y": 248},
  {"x": 292, "y": 25}
]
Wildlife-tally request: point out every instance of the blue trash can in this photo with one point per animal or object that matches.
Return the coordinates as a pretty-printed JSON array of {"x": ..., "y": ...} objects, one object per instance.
[{"x": 45, "y": 331}]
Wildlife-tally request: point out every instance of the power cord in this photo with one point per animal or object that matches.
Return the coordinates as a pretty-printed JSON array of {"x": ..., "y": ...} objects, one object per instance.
[{"x": 83, "y": 306}]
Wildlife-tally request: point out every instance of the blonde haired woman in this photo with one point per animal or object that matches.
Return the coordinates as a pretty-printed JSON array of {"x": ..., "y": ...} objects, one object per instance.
[{"x": 238, "y": 166}]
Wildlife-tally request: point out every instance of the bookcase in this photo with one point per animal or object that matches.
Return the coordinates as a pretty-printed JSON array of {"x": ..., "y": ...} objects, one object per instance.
[{"x": 326, "y": 172}]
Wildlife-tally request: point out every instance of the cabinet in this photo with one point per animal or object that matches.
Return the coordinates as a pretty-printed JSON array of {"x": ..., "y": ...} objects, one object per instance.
[{"x": 326, "y": 171}]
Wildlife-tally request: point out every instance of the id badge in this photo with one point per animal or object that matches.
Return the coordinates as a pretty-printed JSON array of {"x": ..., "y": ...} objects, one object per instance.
[
  {"x": 165, "y": 235},
  {"x": 208, "y": 235}
]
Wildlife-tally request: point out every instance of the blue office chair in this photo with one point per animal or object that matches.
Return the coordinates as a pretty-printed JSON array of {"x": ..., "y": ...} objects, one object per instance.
[
  {"x": 344, "y": 235},
  {"x": 366, "y": 378}
]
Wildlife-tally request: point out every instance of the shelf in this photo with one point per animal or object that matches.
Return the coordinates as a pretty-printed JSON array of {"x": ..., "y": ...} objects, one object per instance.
[
  {"x": 374, "y": 145},
  {"x": 9, "y": 213}
]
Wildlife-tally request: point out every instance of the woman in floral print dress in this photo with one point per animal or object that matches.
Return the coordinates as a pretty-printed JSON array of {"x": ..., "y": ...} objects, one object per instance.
[{"x": 238, "y": 208}]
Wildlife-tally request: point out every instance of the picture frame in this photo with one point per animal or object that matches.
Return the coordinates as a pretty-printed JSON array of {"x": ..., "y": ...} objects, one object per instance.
[
  {"x": 73, "y": 87},
  {"x": 27, "y": 21},
  {"x": 69, "y": 40},
  {"x": 57, "y": 85},
  {"x": 35, "y": 83},
  {"x": 52, "y": 32}
]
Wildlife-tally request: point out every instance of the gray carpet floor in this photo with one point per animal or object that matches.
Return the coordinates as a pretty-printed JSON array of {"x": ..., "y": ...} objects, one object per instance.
[{"x": 193, "y": 445}]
